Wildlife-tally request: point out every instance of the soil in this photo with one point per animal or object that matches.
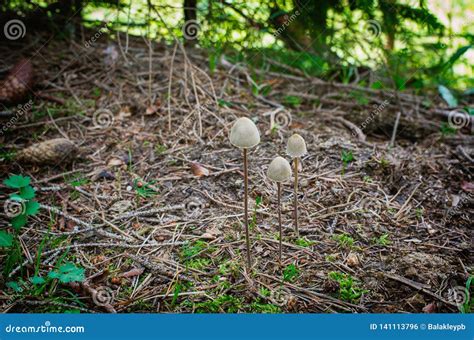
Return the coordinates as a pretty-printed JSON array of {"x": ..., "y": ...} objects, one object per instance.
[{"x": 151, "y": 205}]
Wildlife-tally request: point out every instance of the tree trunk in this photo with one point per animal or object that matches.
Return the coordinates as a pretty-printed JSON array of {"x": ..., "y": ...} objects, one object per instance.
[{"x": 190, "y": 22}]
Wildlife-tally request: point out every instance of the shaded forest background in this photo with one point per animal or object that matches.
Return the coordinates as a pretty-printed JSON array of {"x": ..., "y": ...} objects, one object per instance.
[{"x": 414, "y": 43}]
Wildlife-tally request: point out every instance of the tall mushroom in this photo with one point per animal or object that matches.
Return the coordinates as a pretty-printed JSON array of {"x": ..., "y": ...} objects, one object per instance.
[
  {"x": 295, "y": 148},
  {"x": 279, "y": 171},
  {"x": 244, "y": 135}
]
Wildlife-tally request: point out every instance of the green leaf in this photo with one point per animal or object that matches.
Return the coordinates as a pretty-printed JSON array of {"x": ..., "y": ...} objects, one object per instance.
[
  {"x": 17, "y": 181},
  {"x": 68, "y": 273},
  {"x": 16, "y": 197},
  {"x": 27, "y": 192},
  {"x": 15, "y": 286},
  {"x": 447, "y": 96},
  {"x": 37, "y": 280},
  {"x": 32, "y": 208},
  {"x": 6, "y": 239},
  {"x": 456, "y": 56},
  {"x": 19, "y": 221}
]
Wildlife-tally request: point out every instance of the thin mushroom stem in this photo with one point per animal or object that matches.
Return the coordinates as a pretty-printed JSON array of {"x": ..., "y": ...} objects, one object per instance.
[
  {"x": 246, "y": 188},
  {"x": 279, "y": 218},
  {"x": 296, "y": 198}
]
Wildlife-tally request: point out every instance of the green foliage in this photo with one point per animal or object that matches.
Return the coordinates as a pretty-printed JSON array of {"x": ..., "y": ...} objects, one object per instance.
[
  {"x": 144, "y": 189},
  {"x": 304, "y": 242},
  {"x": 292, "y": 101},
  {"x": 6, "y": 239},
  {"x": 344, "y": 240},
  {"x": 349, "y": 289},
  {"x": 160, "y": 149},
  {"x": 467, "y": 307},
  {"x": 19, "y": 206},
  {"x": 17, "y": 181},
  {"x": 192, "y": 249},
  {"x": 447, "y": 130},
  {"x": 346, "y": 157},
  {"x": 382, "y": 240},
  {"x": 290, "y": 273},
  {"x": 259, "y": 307},
  {"x": 447, "y": 96},
  {"x": 68, "y": 272},
  {"x": 221, "y": 304}
]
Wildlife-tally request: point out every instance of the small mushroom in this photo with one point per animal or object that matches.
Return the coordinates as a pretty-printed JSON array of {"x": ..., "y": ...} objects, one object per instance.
[
  {"x": 244, "y": 134},
  {"x": 295, "y": 148},
  {"x": 279, "y": 171}
]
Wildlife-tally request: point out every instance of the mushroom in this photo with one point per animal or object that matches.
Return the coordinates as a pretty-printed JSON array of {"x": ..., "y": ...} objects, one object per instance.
[
  {"x": 295, "y": 148},
  {"x": 244, "y": 135},
  {"x": 279, "y": 171}
]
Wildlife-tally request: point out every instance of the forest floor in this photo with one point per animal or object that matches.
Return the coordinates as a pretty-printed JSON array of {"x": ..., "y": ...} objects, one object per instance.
[{"x": 151, "y": 205}]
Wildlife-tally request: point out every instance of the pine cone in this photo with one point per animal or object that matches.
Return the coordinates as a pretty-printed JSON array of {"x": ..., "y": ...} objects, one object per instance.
[
  {"x": 18, "y": 82},
  {"x": 54, "y": 151}
]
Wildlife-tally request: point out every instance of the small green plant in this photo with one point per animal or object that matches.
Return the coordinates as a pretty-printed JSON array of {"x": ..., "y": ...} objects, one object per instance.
[
  {"x": 19, "y": 206},
  {"x": 466, "y": 307},
  {"x": 346, "y": 157},
  {"x": 264, "y": 291},
  {"x": 160, "y": 149},
  {"x": 66, "y": 273},
  {"x": 367, "y": 179},
  {"x": 304, "y": 242},
  {"x": 292, "y": 101},
  {"x": 349, "y": 289},
  {"x": 382, "y": 240},
  {"x": 192, "y": 249},
  {"x": 290, "y": 273},
  {"x": 419, "y": 213},
  {"x": 230, "y": 267},
  {"x": 224, "y": 303},
  {"x": 78, "y": 180},
  {"x": 344, "y": 240},
  {"x": 144, "y": 189},
  {"x": 447, "y": 129},
  {"x": 198, "y": 263},
  {"x": 260, "y": 307}
]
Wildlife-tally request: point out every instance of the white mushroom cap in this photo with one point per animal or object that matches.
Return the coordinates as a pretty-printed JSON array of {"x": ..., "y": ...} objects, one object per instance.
[
  {"x": 244, "y": 133},
  {"x": 279, "y": 170},
  {"x": 296, "y": 146}
]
